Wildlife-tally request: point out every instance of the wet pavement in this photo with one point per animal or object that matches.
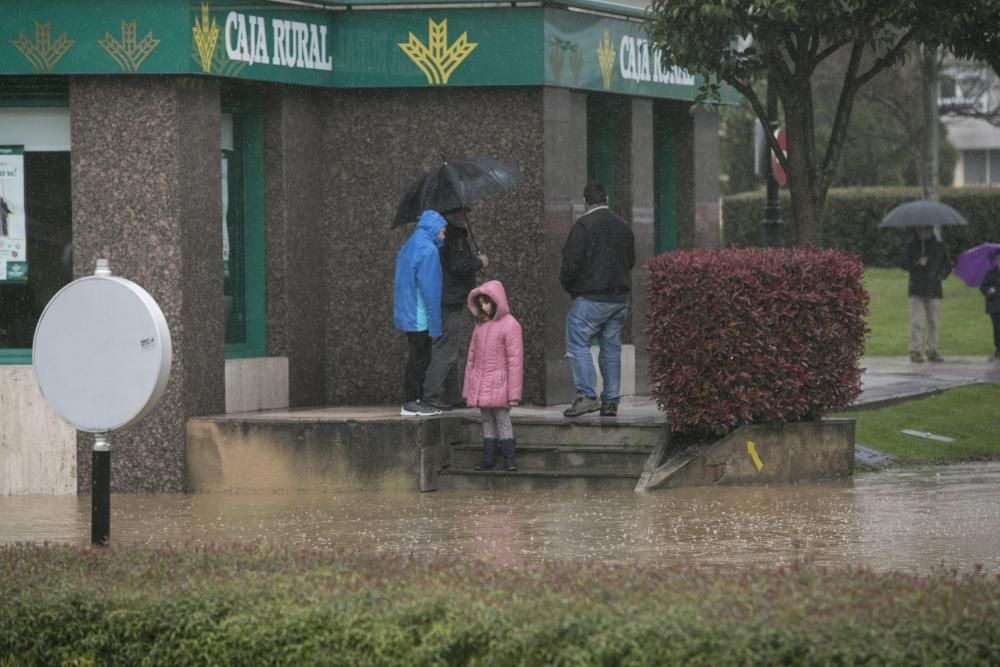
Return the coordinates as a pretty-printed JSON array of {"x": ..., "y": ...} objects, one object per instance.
[
  {"x": 908, "y": 519},
  {"x": 885, "y": 379},
  {"x": 888, "y": 379}
]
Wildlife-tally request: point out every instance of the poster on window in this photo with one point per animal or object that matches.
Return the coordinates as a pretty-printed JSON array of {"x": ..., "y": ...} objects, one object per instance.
[{"x": 13, "y": 237}]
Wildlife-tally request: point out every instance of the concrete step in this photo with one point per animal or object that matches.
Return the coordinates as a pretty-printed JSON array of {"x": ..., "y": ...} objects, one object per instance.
[
  {"x": 584, "y": 431},
  {"x": 578, "y": 479},
  {"x": 537, "y": 457}
]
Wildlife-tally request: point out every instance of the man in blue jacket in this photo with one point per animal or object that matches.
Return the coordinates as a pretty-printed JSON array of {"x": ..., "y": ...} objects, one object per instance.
[{"x": 416, "y": 307}]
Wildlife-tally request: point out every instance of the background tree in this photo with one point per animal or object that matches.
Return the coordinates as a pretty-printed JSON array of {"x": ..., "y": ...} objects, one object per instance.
[
  {"x": 886, "y": 143},
  {"x": 739, "y": 42}
]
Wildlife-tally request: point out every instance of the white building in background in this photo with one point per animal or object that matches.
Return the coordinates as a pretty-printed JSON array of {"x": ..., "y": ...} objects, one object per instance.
[{"x": 969, "y": 89}]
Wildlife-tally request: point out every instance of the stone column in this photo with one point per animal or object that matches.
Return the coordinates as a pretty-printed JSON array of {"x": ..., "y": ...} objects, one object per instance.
[
  {"x": 146, "y": 196},
  {"x": 641, "y": 197},
  {"x": 564, "y": 177},
  {"x": 706, "y": 179}
]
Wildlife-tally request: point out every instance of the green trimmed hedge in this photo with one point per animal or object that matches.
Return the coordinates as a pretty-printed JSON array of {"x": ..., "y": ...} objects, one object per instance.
[
  {"x": 851, "y": 220},
  {"x": 250, "y": 605}
]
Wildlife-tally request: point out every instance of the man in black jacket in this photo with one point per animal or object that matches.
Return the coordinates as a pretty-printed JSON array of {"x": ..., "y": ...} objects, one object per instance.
[
  {"x": 928, "y": 263},
  {"x": 597, "y": 262},
  {"x": 459, "y": 265}
]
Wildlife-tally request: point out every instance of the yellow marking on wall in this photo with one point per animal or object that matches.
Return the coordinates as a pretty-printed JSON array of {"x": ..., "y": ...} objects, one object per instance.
[
  {"x": 752, "y": 451},
  {"x": 439, "y": 60},
  {"x": 128, "y": 53},
  {"x": 606, "y": 58},
  {"x": 43, "y": 53},
  {"x": 206, "y": 35}
]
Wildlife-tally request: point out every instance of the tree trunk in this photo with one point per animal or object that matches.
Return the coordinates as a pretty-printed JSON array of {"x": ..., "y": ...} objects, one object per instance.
[
  {"x": 802, "y": 171},
  {"x": 930, "y": 70}
]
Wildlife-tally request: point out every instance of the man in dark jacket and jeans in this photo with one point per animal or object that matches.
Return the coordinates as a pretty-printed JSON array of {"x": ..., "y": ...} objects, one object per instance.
[
  {"x": 596, "y": 269},
  {"x": 928, "y": 263},
  {"x": 459, "y": 266}
]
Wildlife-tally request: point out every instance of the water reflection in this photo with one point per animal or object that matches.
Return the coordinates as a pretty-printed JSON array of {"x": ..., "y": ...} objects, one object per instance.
[{"x": 910, "y": 520}]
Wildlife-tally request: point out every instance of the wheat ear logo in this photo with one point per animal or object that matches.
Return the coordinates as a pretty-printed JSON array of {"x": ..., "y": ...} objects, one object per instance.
[
  {"x": 43, "y": 53},
  {"x": 206, "y": 34},
  {"x": 438, "y": 60},
  {"x": 129, "y": 53},
  {"x": 606, "y": 58}
]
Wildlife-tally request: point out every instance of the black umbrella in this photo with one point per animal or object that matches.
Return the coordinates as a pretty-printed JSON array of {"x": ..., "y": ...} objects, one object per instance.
[
  {"x": 454, "y": 185},
  {"x": 922, "y": 213}
]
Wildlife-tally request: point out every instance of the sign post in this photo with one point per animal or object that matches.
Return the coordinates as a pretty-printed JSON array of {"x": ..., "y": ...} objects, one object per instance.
[{"x": 101, "y": 357}]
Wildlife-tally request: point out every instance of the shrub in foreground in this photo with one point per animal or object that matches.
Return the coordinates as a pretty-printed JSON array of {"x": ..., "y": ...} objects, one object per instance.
[
  {"x": 259, "y": 606},
  {"x": 753, "y": 335}
]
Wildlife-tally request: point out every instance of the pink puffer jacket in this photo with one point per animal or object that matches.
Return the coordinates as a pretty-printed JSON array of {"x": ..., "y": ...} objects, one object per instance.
[{"x": 494, "y": 371}]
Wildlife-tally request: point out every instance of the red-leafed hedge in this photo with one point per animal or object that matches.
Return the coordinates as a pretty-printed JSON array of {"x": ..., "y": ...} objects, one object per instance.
[{"x": 753, "y": 335}]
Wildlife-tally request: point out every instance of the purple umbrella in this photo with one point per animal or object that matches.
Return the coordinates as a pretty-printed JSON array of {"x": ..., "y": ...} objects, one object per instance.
[{"x": 973, "y": 264}]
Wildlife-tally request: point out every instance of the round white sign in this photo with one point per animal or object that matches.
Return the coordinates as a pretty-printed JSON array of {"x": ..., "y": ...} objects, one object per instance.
[{"x": 102, "y": 353}]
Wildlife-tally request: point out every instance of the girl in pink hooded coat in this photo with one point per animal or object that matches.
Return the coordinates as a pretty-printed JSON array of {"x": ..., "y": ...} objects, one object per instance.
[{"x": 494, "y": 371}]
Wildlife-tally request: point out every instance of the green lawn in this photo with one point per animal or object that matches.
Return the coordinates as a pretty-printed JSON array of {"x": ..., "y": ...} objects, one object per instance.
[
  {"x": 964, "y": 330},
  {"x": 968, "y": 414}
]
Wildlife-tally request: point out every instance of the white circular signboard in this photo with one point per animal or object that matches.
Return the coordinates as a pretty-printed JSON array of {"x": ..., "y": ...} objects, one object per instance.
[{"x": 102, "y": 353}]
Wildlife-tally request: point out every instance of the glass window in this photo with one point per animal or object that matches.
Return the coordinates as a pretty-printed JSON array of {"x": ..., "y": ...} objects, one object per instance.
[
  {"x": 995, "y": 166},
  {"x": 48, "y": 224},
  {"x": 975, "y": 167},
  {"x": 242, "y": 173}
]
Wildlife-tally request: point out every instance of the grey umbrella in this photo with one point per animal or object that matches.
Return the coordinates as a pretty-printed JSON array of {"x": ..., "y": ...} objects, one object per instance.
[{"x": 922, "y": 213}]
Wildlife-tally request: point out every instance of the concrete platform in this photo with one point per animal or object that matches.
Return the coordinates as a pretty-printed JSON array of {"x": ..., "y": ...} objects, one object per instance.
[{"x": 374, "y": 447}]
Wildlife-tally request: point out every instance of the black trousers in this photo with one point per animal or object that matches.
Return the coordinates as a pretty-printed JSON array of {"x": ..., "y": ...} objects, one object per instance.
[
  {"x": 996, "y": 331},
  {"x": 417, "y": 359},
  {"x": 441, "y": 380}
]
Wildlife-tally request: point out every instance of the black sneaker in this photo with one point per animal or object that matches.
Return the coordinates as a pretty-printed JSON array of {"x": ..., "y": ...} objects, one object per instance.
[
  {"x": 581, "y": 406},
  {"x": 438, "y": 405},
  {"x": 609, "y": 409},
  {"x": 418, "y": 409},
  {"x": 512, "y": 468}
]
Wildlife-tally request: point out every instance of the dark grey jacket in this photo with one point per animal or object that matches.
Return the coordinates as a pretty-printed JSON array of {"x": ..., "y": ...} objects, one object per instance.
[
  {"x": 598, "y": 257},
  {"x": 992, "y": 279},
  {"x": 458, "y": 267},
  {"x": 925, "y": 281}
]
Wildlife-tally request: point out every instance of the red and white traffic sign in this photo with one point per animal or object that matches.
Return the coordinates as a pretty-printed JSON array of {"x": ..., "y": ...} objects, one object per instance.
[{"x": 776, "y": 169}]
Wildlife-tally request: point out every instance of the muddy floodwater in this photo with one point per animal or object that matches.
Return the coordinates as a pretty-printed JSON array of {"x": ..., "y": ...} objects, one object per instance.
[{"x": 911, "y": 520}]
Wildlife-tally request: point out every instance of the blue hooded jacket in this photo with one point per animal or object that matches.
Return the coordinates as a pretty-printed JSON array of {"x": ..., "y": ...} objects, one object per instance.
[{"x": 418, "y": 278}]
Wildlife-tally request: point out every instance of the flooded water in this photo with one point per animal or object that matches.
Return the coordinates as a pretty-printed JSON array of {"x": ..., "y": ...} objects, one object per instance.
[{"x": 910, "y": 520}]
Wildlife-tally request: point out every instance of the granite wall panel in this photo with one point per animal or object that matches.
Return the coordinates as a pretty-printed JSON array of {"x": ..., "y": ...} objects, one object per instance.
[
  {"x": 376, "y": 143},
  {"x": 145, "y": 188},
  {"x": 296, "y": 232}
]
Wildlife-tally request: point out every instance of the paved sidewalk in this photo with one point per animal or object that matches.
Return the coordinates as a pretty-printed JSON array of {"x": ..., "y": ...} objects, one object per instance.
[
  {"x": 885, "y": 379},
  {"x": 889, "y": 379}
]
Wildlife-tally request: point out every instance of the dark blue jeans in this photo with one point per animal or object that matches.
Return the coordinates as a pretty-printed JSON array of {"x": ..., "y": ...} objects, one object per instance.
[{"x": 587, "y": 319}]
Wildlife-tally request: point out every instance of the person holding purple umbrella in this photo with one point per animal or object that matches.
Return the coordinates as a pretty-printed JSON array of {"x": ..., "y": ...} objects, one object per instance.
[{"x": 990, "y": 288}]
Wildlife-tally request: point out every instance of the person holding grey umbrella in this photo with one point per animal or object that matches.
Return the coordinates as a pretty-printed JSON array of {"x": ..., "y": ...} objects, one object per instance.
[
  {"x": 459, "y": 266},
  {"x": 927, "y": 261}
]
